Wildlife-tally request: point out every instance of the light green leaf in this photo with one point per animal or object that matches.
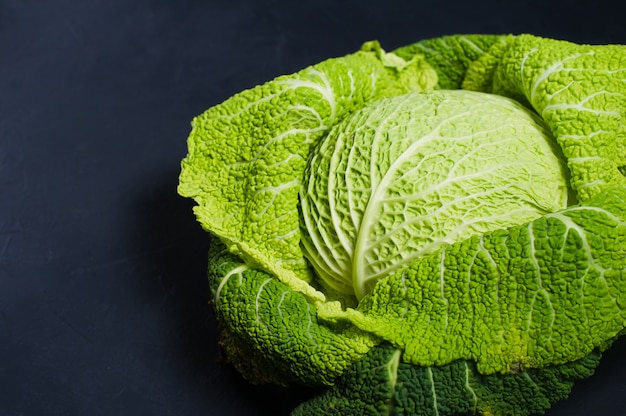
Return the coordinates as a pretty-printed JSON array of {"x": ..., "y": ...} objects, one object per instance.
[
  {"x": 247, "y": 155},
  {"x": 408, "y": 174},
  {"x": 544, "y": 293},
  {"x": 580, "y": 92}
]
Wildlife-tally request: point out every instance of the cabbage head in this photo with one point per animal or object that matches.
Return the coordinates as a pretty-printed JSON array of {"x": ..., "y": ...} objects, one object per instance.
[
  {"x": 406, "y": 175},
  {"x": 437, "y": 230}
]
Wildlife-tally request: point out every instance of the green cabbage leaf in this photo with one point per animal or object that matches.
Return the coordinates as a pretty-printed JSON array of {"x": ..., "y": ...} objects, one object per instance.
[
  {"x": 547, "y": 292},
  {"x": 247, "y": 155},
  {"x": 383, "y": 384}
]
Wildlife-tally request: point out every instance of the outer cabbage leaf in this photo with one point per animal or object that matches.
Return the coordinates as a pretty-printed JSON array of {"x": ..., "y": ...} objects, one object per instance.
[
  {"x": 247, "y": 155},
  {"x": 407, "y": 174},
  {"x": 580, "y": 92},
  {"x": 271, "y": 333},
  {"x": 543, "y": 293},
  {"x": 452, "y": 55},
  {"x": 382, "y": 384}
]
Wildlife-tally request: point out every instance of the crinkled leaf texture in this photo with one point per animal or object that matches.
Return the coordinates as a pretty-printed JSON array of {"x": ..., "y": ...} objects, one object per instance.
[
  {"x": 542, "y": 293},
  {"x": 407, "y": 174},
  {"x": 451, "y": 56},
  {"x": 247, "y": 155},
  {"x": 271, "y": 332},
  {"x": 382, "y": 384},
  {"x": 580, "y": 92},
  {"x": 499, "y": 323}
]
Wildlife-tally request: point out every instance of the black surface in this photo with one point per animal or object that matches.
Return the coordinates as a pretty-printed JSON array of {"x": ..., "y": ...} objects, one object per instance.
[{"x": 103, "y": 301}]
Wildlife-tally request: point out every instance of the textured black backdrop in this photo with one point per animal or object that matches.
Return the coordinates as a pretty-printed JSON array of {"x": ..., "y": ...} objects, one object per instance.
[{"x": 103, "y": 302}]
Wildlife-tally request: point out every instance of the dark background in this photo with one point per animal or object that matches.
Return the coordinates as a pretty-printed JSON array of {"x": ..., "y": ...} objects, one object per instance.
[{"x": 103, "y": 301}]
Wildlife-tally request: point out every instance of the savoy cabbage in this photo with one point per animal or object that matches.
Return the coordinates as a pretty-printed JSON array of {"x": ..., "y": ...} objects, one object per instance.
[{"x": 438, "y": 230}]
